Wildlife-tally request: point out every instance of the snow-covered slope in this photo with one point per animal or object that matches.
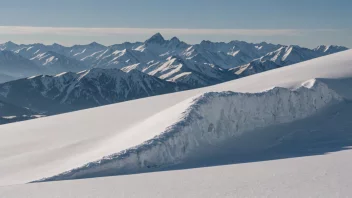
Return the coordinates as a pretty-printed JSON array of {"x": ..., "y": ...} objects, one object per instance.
[
  {"x": 329, "y": 49},
  {"x": 285, "y": 55},
  {"x": 54, "y": 63},
  {"x": 176, "y": 69},
  {"x": 228, "y": 55},
  {"x": 173, "y": 129},
  {"x": 53, "y": 59},
  {"x": 290, "y": 55},
  {"x": 320, "y": 175},
  {"x": 19, "y": 61},
  {"x": 70, "y": 91},
  {"x": 81, "y": 52},
  {"x": 31, "y": 50},
  {"x": 254, "y": 67}
]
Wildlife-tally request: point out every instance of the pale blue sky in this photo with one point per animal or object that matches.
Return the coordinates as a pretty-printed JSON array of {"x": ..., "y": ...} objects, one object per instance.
[{"x": 304, "y": 22}]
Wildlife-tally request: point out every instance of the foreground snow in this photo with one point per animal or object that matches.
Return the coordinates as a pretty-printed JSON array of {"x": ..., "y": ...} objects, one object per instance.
[
  {"x": 315, "y": 176},
  {"x": 50, "y": 146}
]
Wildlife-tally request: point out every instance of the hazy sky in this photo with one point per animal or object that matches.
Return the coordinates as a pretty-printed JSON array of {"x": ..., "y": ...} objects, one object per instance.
[{"x": 303, "y": 22}]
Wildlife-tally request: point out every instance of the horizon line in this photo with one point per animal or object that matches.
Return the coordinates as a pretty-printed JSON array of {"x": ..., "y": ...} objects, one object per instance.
[{"x": 101, "y": 31}]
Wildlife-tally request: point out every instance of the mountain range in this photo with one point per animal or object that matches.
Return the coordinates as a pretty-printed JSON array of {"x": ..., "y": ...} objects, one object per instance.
[
  {"x": 71, "y": 91},
  {"x": 52, "y": 79},
  {"x": 198, "y": 65}
]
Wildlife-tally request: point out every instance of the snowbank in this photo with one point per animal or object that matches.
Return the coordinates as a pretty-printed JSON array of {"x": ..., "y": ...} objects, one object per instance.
[{"x": 210, "y": 119}]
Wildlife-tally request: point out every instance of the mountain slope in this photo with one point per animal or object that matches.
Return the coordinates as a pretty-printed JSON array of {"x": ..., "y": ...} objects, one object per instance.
[
  {"x": 163, "y": 58},
  {"x": 8, "y": 46},
  {"x": 143, "y": 132},
  {"x": 14, "y": 65},
  {"x": 80, "y": 52},
  {"x": 254, "y": 67},
  {"x": 11, "y": 113},
  {"x": 77, "y": 52},
  {"x": 90, "y": 88},
  {"x": 6, "y": 78},
  {"x": 7, "y": 109},
  {"x": 290, "y": 55},
  {"x": 56, "y": 58},
  {"x": 228, "y": 55},
  {"x": 176, "y": 69},
  {"x": 54, "y": 63},
  {"x": 330, "y": 49},
  {"x": 284, "y": 56}
]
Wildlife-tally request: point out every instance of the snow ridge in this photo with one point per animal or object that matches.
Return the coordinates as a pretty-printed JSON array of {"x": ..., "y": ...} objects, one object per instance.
[{"x": 211, "y": 119}]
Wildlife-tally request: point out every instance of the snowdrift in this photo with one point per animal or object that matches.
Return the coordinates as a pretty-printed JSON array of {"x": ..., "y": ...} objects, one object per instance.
[{"x": 211, "y": 118}]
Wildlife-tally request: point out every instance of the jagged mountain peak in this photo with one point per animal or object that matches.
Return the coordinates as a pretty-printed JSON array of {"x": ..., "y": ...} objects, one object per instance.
[
  {"x": 263, "y": 43},
  {"x": 175, "y": 39},
  {"x": 156, "y": 38},
  {"x": 90, "y": 45},
  {"x": 10, "y": 44},
  {"x": 329, "y": 49},
  {"x": 95, "y": 44},
  {"x": 205, "y": 42},
  {"x": 125, "y": 45},
  {"x": 56, "y": 45},
  {"x": 296, "y": 47},
  {"x": 37, "y": 45}
]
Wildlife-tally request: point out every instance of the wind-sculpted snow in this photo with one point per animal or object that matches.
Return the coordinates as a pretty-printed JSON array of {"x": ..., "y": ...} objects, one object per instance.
[{"x": 209, "y": 119}]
